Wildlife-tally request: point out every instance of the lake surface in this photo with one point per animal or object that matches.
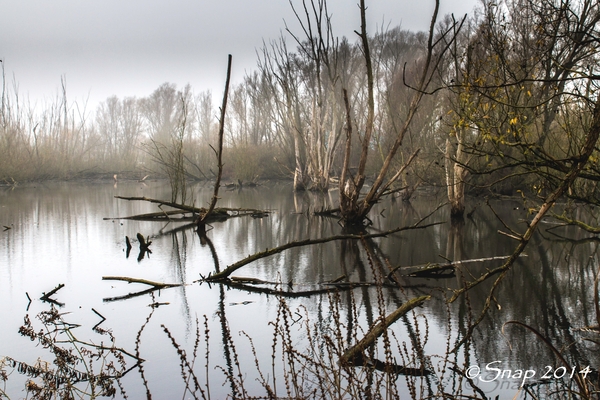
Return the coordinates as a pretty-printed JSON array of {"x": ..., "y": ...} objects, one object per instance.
[{"x": 59, "y": 234}]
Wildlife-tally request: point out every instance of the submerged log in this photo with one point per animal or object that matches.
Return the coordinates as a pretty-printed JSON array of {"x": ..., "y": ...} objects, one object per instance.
[{"x": 247, "y": 286}]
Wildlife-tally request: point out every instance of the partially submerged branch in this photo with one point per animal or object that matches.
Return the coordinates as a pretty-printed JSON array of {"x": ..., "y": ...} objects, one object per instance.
[
  {"x": 445, "y": 270},
  {"x": 355, "y": 355},
  {"x": 156, "y": 285},
  {"x": 46, "y": 296},
  {"x": 163, "y": 203},
  {"x": 182, "y": 209},
  {"x": 248, "y": 285},
  {"x": 153, "y": 286},
  {"x": 307, "y": 242}
]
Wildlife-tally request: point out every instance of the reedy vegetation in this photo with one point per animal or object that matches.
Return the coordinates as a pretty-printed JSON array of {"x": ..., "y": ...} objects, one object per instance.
[{"x": 307, "y": 358}]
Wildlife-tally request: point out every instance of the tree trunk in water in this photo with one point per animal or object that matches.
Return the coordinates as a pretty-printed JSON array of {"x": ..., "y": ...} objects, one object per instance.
[
  {"x": 455, "y": 180},
  {"x": 299, "y": 184},
  {"x": 299, "y": 178}
]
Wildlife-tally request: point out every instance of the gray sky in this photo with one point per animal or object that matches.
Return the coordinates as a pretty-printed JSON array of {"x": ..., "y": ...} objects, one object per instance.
[{"x": 130, "y": 47}]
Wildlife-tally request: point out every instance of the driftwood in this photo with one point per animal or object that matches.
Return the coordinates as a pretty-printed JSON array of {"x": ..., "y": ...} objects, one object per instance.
[
  {"x": 101, "y": 321},
  {"x": 307, "y": 242},
  {"x": 445, "y": 270},
  {"x": 397, "y": 369},
  {"x": 157, "y": 285},
  {"x": 163, "y": 203},
  {"x": 248, "y": 284},
  {"x": 154, "y": 286},
  {"x": 392, "y": 285},
  {"x": 217, "y": 214},
  {"x": 355, "y": 354},
  {"x": 144, "y": 246},
  {"x": 156, "y": 215},
  {"x": 127, "y": 242},
  {"x": 46, "y": 296}
]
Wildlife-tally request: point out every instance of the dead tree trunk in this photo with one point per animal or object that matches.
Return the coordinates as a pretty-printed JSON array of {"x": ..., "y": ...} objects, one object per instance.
[
  {"x": 354, "y": 207},
  {"x": 218, "y": 152},
  {"x": 456, "y": 172}
]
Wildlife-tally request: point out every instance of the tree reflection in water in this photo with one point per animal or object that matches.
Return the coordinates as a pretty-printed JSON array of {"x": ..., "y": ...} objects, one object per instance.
[{"x": 315, "y": 303}]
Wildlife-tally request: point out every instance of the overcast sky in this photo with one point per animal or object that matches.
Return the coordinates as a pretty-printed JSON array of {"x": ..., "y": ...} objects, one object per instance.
[{"x": 130, "y": 47}]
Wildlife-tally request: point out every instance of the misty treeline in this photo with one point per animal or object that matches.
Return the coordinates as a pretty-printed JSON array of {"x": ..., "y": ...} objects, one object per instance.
[{"x": 504, "y": 100}]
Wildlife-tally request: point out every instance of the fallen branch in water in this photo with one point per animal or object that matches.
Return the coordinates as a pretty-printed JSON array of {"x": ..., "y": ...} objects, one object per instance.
[
  {"x": 306, "y": 242},
  {"x": 46, "y": 296},
  {"x": 158, "y": 285},
  {"x": 144, "y": 243},
  {"x": 154, "y": 286},
  {"x": 290, "y": 293},
  {"x": 162, "y": 203},
  {"x": 355, "y": 355},
  {"x": 435, "y": 270},
  {"x": 217, "y": 214}
]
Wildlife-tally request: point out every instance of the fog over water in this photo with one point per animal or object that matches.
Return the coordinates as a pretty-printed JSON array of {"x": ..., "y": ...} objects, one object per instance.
[{"x": 130, "y": 48}]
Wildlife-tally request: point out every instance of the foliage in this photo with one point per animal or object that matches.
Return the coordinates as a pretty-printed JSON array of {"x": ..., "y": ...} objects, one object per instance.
[{"x": 524, "y": 93}]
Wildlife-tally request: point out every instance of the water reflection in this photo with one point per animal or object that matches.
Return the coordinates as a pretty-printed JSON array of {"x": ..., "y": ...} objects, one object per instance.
[{"x": 58, "y": 236}]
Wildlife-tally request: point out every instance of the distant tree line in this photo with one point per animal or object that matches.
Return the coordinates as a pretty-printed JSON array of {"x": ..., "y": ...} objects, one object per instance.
[{"x": 500, "y": 101}]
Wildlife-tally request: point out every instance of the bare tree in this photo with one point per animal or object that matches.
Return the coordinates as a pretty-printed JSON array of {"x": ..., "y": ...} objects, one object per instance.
[
  {"x": 354, "y": 208},
  {"x": 170, "y": 119},
  {"x": 276, "y": 66},
  {"x": 120, "y": 124}
]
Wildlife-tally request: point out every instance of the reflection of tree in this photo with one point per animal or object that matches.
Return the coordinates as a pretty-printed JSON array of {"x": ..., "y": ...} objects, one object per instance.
[
  {"x": 205, "y": 240},
  {"x": 554, "y": 300},
  {"x": 179, "y": 261},
  {"x": 228, "y": 345},
  {"x": 454, "y": 244}
]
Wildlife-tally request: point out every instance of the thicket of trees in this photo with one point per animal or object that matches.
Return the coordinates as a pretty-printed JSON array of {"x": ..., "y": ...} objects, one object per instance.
[{"x": 504, "y": 100}]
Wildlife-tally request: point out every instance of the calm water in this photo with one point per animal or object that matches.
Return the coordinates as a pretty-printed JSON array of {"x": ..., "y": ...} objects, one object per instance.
[{"x": 59, "y": 235}]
